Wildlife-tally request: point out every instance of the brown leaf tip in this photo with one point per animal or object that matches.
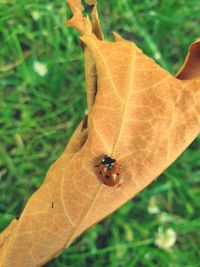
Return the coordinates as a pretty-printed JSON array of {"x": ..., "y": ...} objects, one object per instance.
[
  {"x": 82, "y": 23},
  {"x": 91, "y": 2}
]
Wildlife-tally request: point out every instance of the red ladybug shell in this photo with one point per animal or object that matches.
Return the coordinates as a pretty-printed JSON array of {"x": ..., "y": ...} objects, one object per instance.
[{"x": 109, "y": 171}]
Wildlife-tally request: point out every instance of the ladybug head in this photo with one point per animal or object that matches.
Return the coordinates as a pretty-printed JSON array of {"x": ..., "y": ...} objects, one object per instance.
[{"x": 107, "y": 160}]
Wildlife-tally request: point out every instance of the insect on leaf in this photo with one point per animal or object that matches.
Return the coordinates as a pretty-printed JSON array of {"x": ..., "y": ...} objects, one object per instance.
[{"x": 138, "y": 113}]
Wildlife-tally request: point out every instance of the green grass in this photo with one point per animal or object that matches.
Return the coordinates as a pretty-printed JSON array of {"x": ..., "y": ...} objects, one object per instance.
[{"x": 39, "y": 114}]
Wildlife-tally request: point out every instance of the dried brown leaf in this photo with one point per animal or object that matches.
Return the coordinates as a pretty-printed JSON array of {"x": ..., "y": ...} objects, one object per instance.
[{"x": 139, "y": 114}]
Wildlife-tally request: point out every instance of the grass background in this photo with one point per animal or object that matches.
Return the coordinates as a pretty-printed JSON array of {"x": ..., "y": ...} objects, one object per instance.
[{"x": 39, "y": 114}]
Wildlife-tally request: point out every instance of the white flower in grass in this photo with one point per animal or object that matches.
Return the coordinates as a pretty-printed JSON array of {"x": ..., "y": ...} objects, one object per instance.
[
  {"x": 35, "y": 15},
  {"x": 49, "y": 7},
  {"x": 152, "y": 206},
  {"x": 40, "y": 68},
  {"x": 157, "y": 55},
  {"x": 165, "y": 217},
  {"x": 165, "y": 239}
]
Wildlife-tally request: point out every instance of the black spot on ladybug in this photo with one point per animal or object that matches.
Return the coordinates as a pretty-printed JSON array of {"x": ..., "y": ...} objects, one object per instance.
[
  {"x": 107, "y": 176},
  {"x": 117, "y": 174},
  {"x": 100, "y": 172}
]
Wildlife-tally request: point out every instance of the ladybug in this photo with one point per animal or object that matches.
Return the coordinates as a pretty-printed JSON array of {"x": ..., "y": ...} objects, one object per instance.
[{"x": 109, "y": 171}]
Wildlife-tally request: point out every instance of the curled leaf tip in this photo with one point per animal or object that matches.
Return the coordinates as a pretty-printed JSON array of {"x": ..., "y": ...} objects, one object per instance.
[
  {"x": 96, "y": 24},
  {"x": 77, "y": 21},
  {"x": 75, "y": 4},
  {"x": 117, "y": 37},
  {"x": 83, "y": 24},
  {"x": 91, "y": 2},
  {"x": 191, "y": 66}
]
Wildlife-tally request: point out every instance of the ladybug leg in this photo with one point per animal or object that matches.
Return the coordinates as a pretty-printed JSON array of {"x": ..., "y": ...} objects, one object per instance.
[{"x": 96, "y": 166}]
